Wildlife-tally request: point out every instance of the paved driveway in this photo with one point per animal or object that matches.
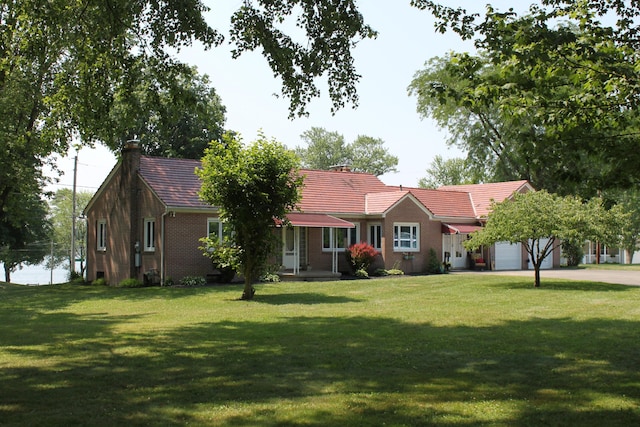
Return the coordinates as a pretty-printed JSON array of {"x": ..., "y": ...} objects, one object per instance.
[{"x": 625, "y": 277}]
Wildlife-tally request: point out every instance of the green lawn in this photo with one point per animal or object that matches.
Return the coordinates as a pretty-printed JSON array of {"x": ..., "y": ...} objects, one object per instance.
[
  {"x": 450, "y": 350},
  {"x": 611, "y": 266}
]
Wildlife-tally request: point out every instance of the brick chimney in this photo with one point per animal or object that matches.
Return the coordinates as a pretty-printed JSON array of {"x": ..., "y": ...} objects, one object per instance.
[
  {"x": 340, "y": 168},
  {"x": 130, "y": 186}
]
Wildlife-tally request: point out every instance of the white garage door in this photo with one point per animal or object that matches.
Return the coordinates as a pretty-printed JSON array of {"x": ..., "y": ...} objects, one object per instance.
[{"x": 508, "y": 256}]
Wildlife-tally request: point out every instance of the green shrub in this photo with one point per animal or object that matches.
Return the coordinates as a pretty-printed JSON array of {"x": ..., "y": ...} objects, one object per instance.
[
  {"x": 224, "y": 257},
  {"x": 77, "y": 281},
  {"x": 168, "y": 281},
  {"x": 362, "y": 274},
  {"x": 74, "y": 276},
  {"x": 391, "y": 272},
  {"x": 131, "y": 283},
  {"x": 100, "y": 282},
  {"x": 433, "y": 264},
  {"x": 380, "y": 272},
  {"x": 270, "y": 278},
  {"x": 573, "y": 252},
  {"x": 360, "y": 256},
  {"x": 193, "y": 281}
]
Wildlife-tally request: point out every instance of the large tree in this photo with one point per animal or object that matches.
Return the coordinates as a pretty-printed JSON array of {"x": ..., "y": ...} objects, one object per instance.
[
  {"x": 25, "y": 234},
  {"x": 326, "y": 149},
  {"x": 253, "y": 186},
  {"x": 455, "y": 171},
  {"x": 369, "y": 155},
  {"x": 541, "y": 221},
  {"x": 323, "y": 150},
  {"x": 555, "y": 102},
  {"x": 170, "y": 118},
  {"x": 67, "y": 66}
]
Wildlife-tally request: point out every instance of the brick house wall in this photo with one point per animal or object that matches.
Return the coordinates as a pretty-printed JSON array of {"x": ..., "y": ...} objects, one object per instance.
[
  {"x": 407, "y": 211},
  {"x": 182, "y": 256},
  {"x": 116, "y": 206}
]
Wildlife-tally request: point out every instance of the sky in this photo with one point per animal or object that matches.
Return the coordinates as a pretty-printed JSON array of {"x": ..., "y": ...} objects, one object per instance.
[{"x": 406, "y": 40}]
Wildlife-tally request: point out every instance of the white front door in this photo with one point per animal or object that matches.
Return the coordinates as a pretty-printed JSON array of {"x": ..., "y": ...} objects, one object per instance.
[
  {"x": 452, "y": 244},
  {"x": 289, "y": 253}
]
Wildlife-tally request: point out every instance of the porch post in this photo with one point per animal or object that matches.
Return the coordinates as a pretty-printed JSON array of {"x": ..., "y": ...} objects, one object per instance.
[
  {"x": 296, "y": 251},
  {"x": 334, "y": 251}
]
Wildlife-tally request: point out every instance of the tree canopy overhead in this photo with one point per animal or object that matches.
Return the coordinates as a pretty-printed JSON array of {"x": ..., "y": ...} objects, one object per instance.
[
  {"x": 79, "y": 71},
  {"x": 177, "y": 118},
  {"x": 554, "y": 92}
]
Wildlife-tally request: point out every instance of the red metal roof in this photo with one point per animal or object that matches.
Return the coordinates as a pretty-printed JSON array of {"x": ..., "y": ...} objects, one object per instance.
[
  {"x": 337, "y": 192},
  {"x": 300, "y": 219},
  {"x": 445, "y": 203},
  {"x": 173, "y": 180},
  {"x": 333, "y": 192},
  {"x": 378, "y": 203},
  {"x": 483, "y": 194}
]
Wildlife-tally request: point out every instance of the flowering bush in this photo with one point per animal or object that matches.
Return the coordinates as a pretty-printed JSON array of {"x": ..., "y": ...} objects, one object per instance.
[{"x": 361, "y": 255}]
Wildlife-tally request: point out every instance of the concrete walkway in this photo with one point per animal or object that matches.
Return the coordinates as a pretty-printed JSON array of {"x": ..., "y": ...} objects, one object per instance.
[{"x": 621, "y": 277}]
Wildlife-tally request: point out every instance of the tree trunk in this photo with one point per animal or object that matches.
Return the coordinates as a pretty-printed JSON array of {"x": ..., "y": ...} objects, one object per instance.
[
  {"x": 536, "y": 268},
  {"x": 7, "y": 274},
  {"x": 249, "y": 291}
]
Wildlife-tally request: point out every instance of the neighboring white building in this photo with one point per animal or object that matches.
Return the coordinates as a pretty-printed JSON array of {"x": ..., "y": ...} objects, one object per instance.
[{"x": 607, "y": 255}]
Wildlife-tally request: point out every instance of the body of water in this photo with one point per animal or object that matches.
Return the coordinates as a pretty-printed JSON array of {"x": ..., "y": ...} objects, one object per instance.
[{"x": 36, "y": 275}]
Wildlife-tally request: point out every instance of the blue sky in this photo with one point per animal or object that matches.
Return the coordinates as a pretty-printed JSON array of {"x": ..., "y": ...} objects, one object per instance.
[{"x": 406, "y": 40}]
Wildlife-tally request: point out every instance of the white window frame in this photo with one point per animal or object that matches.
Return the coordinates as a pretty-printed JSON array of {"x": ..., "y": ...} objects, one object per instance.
[
  {"x": 101, "y": 235},
  {"x": 352, "y": 235},
  {"x": 414, "y": 240},
  {"x": 220, "y": 228},
  {"x": 149, "y": 234},
  {"x": 375, "y": 236}
]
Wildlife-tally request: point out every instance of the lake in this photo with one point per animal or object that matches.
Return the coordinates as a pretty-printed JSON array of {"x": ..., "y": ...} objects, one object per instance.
[{"x": 36, "y": 275}]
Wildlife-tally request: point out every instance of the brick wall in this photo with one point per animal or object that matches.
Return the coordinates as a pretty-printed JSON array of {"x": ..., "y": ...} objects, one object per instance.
[{"x": 182, "y": 234}]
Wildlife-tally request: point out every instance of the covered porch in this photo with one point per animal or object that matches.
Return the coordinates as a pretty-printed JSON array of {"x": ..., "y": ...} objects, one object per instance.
[
  {"x": 296, "y": 262},
  {"x": 453, "y": 237}
]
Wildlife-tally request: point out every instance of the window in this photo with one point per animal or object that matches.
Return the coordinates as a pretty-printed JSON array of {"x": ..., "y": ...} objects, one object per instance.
[
  {"x": 149, "y": 234},
  {"x": 406, "y": 237},
  {"x": 375, "y": 236},
  {"x": 101, "y": 235},
  {"x": 339, "y": 238},
  {"x": 217, "y": 228}
]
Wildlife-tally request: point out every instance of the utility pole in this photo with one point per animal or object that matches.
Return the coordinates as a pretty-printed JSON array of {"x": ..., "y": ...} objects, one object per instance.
[{"x": 72, "y": 266}]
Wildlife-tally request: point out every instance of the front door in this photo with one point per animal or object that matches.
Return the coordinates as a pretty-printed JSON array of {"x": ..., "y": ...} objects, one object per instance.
[
  {"x": 289, "y": 254},
  {"x": 452, "y": 246}
]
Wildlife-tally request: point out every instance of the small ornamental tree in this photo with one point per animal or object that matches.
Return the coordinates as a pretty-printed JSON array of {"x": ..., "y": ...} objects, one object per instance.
[
  {"x": 541, "y": 221},
  {"x": 253, "y": 186},
  {"x": 361, "y": 256}
]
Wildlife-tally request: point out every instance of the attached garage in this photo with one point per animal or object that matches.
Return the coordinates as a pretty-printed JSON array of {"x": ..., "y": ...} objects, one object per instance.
[{"x": 507, "y": 256}]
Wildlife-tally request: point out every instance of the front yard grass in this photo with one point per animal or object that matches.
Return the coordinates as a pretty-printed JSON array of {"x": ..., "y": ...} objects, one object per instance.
[
  {"x": 450, "y": 350},
  {"x": 611, "y": 266}
]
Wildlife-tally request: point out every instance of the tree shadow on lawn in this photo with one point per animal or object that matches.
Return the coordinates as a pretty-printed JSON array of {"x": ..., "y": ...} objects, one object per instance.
[
  {"x": 323, "y": 371},
  {"x": 304, "y": 298},
  {"x": 551, "y": 284}
]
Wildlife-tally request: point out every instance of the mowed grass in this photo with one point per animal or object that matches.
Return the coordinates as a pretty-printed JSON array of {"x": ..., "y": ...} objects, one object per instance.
[{"x": 449, "y": 350}]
